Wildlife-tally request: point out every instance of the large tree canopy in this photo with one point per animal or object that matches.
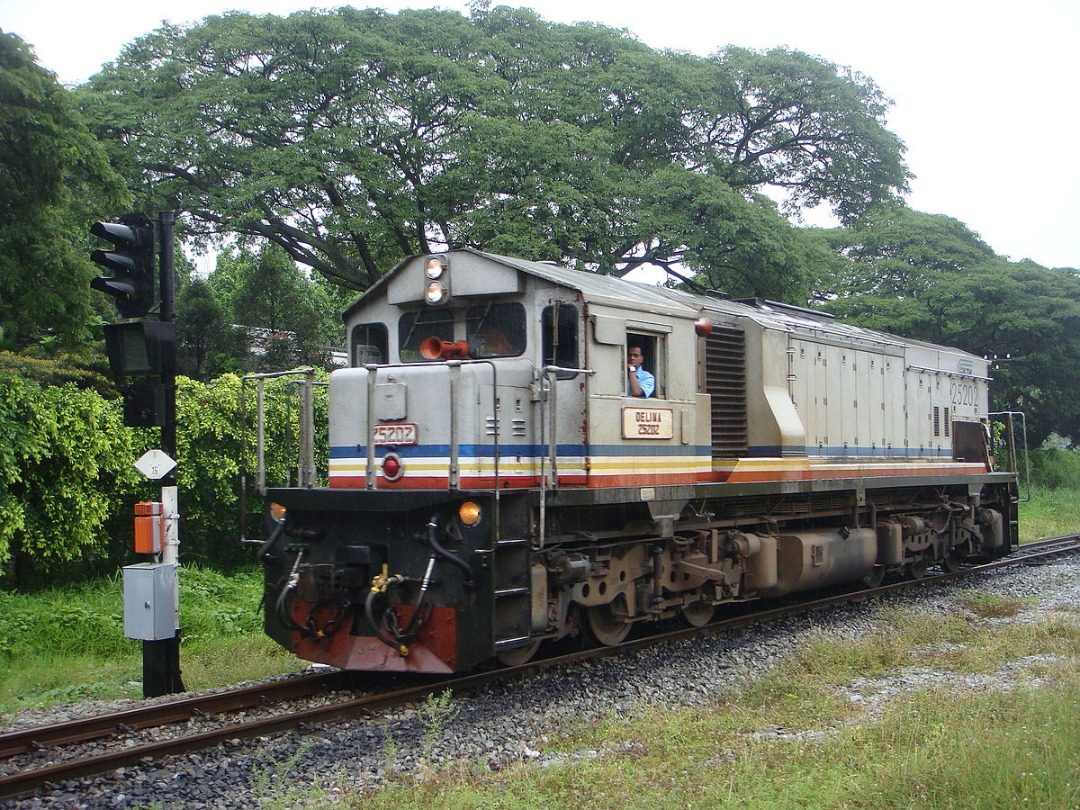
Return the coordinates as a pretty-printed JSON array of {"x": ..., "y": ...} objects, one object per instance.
[
  {"x": 353, "y": 137},
  {"x": 52, "y": 177}
]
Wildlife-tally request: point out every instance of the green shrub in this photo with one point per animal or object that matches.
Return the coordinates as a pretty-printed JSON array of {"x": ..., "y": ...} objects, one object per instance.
[
  {"x": 1054, "y": 468},
  {"x": 68, "y": 485}
]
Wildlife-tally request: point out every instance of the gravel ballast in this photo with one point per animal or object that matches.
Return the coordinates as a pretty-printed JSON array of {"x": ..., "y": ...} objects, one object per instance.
[{"x": 513, "y": 721}]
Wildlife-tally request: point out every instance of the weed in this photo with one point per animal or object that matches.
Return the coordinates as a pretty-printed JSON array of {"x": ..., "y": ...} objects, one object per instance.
[
  {"x": 390, "y": 753},
  {"x": 271, "y": 786},
  {"x": 437, "y": 711}
]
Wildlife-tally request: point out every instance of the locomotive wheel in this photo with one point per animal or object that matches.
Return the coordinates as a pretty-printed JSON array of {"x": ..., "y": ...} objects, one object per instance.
[
  {"x": 697, "y": 614},
  {"x": 916, "y": 569},
  {"x": 954, "y": 561},
  {"x": 875, "y": 577},
  {"x": 519, "y": 655},
  {"x": 605, "y": 626}
]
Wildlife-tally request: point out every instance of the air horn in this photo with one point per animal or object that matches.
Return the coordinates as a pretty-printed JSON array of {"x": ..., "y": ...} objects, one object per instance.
[{"x": 434, "y": 348}]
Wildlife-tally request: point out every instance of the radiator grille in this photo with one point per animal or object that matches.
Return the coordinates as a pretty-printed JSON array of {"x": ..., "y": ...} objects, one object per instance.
[{"x": 725, "y": 382}]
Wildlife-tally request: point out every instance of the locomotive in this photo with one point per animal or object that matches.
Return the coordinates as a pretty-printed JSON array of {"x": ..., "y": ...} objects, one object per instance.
[{"x": 493, "y": 484}]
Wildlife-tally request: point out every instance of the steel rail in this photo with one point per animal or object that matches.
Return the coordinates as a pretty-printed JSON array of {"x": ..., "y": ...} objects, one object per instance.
[{"x": 177, "y": 711}]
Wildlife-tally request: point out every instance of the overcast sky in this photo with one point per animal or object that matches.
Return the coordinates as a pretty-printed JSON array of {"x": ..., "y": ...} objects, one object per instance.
[{"x": 986, "y": 91}]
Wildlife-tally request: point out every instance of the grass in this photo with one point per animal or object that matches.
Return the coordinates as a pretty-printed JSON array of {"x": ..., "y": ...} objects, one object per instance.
[
  {"x": 67, "y": 644},
  {"x": 794, "y": 739},
  {"x": 1049, "y": 513}
]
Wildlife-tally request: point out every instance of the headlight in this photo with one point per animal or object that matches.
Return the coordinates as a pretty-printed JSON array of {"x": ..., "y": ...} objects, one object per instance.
[
  {"x": 435, "y": 293},
  {"x": 434, "y": 267}
]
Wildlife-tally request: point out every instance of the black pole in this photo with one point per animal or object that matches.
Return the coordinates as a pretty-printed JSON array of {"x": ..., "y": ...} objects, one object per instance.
[{"x": 161, "y": 658}]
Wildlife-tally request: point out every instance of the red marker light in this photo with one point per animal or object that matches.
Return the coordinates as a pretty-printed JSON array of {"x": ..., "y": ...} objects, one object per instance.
[{"x": 391, "y": 467}]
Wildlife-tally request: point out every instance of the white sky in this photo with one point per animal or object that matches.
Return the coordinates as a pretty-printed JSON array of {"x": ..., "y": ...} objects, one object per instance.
[{"x": 985, "y": 90}]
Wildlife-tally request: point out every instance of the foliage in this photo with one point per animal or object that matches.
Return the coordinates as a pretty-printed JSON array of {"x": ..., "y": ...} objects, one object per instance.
[
  {"x": 216, "y": 452},
  {"x": 53, "y": 177},
  {"x": 63, "y": 462},
  {"x": 58, "y": 370},
  {"x": 67, "y": 480},
  {"x": 1054, "y": 468},
  {"x": 334, "y": 136}
]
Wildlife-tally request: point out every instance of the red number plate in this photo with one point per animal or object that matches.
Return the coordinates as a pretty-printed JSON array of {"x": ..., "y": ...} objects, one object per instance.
[{"x": 395, "y": 434}]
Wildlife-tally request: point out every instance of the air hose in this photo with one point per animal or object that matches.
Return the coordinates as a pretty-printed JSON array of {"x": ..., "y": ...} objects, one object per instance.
[{"x": 386, "y": 627}]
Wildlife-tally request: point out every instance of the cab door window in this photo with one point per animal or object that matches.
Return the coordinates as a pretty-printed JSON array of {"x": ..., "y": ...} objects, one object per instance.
[
  {"x": 559, "y": 327},
  {"x": 650, "y": 360}
]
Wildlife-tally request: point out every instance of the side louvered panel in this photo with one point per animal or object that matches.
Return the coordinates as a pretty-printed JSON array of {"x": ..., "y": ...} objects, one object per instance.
[{"x": 725, "y": 382}]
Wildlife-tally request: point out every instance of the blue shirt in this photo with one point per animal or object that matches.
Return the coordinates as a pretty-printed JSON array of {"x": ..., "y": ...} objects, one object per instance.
[{"x": 646, "y": 381}]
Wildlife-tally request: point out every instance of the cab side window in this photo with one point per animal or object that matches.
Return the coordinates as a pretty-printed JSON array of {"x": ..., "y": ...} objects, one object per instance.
[{"x": 369, "y": 344}]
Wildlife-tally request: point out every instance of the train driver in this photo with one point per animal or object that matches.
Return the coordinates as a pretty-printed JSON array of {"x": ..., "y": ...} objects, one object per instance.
[{"x": 639, "y": 382}]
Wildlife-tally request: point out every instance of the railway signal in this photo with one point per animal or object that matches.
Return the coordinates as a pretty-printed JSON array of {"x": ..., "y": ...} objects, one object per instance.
[
  {"x": 142, "y": 355},
  {"x": 132, "y": 259}
]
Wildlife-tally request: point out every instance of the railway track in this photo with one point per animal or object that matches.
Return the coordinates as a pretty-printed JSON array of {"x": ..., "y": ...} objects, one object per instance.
[{"x": 51, "y": 742}]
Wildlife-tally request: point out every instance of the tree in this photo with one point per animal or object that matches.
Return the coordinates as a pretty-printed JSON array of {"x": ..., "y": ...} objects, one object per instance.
[
  {"x": 273, "y": 305},
  {"x": 352, "y": 138},
  {"x": 805, "y": 126},
  {"x": 53, "y": 176},
  {"x": 200, "y": 329}
]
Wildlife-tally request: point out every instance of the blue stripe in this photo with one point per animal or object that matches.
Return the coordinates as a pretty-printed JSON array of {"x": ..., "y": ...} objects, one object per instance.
[
  {"x": 634, "y": 449},
  {"x": 527, "y": 450}
]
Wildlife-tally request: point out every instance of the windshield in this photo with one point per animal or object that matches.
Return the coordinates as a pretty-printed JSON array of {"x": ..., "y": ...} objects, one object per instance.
[{"x": 495, "y": 330}]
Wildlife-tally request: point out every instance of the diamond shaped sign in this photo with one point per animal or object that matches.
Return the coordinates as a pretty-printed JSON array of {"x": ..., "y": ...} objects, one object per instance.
[{"x": 155, "y": 464}]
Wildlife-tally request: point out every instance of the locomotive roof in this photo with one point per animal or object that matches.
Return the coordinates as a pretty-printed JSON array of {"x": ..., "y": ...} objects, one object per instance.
[{"x": 614, "y": 290}]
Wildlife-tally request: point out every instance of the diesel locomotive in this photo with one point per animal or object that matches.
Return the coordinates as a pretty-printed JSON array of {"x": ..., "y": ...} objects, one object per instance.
[{"x": 493, "y": 484}]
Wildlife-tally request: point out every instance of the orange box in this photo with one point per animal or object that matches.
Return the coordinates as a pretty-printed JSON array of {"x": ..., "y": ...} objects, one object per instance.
[{"x": 149, "y": 528}]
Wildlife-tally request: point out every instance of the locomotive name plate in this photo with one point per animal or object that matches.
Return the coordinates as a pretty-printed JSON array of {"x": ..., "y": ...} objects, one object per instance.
[
  {"x": 648, "y": 423},
  {"x": 403, "y": 433}
]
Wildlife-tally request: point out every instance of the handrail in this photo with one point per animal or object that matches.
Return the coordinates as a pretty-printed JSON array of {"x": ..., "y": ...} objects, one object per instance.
[
  {"x": 306, "y": 473},
  {"x": 549, "y": 478}
]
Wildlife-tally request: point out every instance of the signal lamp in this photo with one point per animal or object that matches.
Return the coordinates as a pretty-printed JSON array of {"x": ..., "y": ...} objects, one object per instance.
[
  {"x": 132, "y": 259},
  {"x": 141, "y": 348},
  {"x": 277, "y": 511}
]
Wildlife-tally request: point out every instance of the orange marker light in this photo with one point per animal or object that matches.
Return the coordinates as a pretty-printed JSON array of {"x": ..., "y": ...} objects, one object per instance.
[{"x": 469, "y": 513}]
